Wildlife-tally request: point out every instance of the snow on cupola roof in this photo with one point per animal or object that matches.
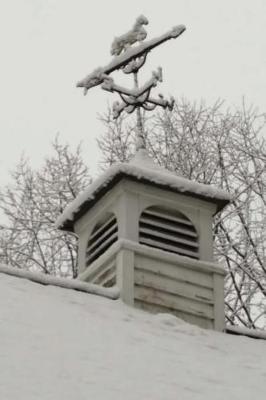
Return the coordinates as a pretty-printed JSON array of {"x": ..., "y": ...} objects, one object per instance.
[
  {"x": 129, "y": 52},
  {"x": 142, "y": 169}
]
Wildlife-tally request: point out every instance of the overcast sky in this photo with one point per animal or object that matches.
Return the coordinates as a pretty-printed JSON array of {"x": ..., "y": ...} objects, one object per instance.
[{"x": 48, "y": 45}]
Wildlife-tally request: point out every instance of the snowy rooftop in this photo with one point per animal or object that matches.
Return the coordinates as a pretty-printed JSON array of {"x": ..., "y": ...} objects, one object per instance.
[
  {"x": 140, "y": 168},
  {"x": 64, "y": 344}
]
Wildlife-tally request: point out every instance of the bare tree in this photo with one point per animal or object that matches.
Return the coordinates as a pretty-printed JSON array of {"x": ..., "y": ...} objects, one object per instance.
[
  {"x": 225, "y": 148},
  {"x": 31, "y": 204}
]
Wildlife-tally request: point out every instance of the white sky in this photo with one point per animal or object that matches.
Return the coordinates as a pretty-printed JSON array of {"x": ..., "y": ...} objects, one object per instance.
[{"x": 48, "y": 45}]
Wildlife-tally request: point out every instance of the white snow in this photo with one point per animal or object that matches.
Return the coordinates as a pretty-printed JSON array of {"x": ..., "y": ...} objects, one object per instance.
[
  {"x": 141, "y": 166},
  {"x": 63, "y": 344},
  {"x": 136, "y": 34},
  {"x": 98, "y": 75},
  {"x": 75, "y": 284},
  {"x": 254, "y": 333},
  {"x": 109, "y": 85}
]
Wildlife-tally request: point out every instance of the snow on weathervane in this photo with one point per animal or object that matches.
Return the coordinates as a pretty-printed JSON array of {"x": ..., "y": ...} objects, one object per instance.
[{"x": 130, "y": 59}]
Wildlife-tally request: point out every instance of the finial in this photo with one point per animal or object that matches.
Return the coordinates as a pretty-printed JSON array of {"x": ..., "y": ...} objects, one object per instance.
[{"x": 130, "y": 52}]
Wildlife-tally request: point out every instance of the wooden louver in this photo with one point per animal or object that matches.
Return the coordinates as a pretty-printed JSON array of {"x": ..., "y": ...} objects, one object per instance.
[
  {"x": 168, "y": 230},
  {"x": 102, "y": 237}
]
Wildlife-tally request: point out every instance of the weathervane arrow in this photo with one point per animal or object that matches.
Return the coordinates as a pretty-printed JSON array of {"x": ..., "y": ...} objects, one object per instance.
[{"x": 130, "y": 59}]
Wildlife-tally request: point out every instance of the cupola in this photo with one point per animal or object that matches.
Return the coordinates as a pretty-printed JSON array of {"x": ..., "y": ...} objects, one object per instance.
[
  {"x": 149, "y": 232},
  {"x": 141, "y": 227}
]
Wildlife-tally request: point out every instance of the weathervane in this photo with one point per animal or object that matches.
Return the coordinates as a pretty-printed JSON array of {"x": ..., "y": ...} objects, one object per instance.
[{"x": 130, "y": 59}]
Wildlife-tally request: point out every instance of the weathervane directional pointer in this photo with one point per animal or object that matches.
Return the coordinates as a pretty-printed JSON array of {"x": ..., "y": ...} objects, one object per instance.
[{"x": 130, "y": 59}]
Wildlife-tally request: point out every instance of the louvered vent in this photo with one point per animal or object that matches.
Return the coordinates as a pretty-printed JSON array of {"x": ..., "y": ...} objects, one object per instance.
[
  {"x": 169, "y": 231},
  {"x": 102, "y": 237}
]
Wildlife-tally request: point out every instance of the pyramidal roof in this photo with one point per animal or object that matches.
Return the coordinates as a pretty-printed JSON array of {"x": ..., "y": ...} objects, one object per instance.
[{"x": 142, "y": 169}]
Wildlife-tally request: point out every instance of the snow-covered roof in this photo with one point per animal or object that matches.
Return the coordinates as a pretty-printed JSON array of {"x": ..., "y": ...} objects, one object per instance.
[
  {"x": 140, "y": 168},
  {"x": 64, "y": 344},
  {"x": 74, "y": 284}
]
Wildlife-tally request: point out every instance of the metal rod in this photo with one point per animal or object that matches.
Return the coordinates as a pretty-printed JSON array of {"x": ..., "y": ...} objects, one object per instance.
[{"x": 140, "y": 142}]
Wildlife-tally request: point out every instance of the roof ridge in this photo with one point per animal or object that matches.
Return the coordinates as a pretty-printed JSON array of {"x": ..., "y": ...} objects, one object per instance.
[{"x": 74, "y": 284}]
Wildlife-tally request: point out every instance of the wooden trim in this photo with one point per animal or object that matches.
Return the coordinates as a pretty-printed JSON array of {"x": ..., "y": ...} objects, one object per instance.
[
  {"x": 171, "y": 238},
  {"x": 169, "y": 216},
  {"x": 102, "y": 227},
  {"x": 173, "y": 249},
  {"x": 104, "y": 245},
  {"x": 190, "y": 290},
  {"x": 161, "y": 298},
  {"x": 178, "y": 229}
]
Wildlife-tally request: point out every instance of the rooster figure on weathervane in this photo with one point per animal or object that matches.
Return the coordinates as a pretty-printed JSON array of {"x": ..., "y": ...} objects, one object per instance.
[{"x": 130, "y": 59}]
